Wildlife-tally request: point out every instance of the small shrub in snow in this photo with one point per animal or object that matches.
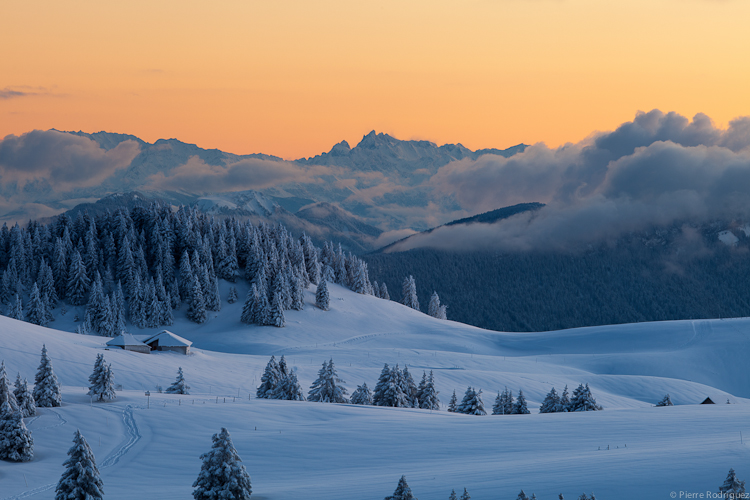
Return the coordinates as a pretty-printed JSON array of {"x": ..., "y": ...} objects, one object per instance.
[
  {"x": 665, "y": 401},
  {"x": 81, "y": 479},
  {"x": 222, "y": 476},
  {"x": 403, "y": 492}
]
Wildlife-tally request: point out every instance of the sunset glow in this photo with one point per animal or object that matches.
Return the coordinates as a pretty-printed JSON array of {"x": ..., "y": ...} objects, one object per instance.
[{"x": 292, "y": 77}]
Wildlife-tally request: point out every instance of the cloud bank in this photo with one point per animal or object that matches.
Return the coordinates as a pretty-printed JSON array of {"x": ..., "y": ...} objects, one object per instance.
[{"x": 658, "y": 169}]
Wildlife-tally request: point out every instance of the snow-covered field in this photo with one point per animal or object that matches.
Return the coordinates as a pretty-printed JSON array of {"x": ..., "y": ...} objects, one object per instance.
[{"x": 296, "y": 450}]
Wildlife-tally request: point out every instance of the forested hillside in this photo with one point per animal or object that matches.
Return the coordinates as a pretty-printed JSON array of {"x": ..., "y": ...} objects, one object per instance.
[{"x": 539, "y": 291}]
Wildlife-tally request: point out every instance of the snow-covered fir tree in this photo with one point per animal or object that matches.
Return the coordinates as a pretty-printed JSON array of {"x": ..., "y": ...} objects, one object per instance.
[
  {"x": 248, "y": 308},
  {"x": 16, "y": 443},
  {"x": 37, "y": 312},
  {"x": 384, "y": 381},
  {"x": 453, "y": 404},
  {"x": 322, "y": 300},
  {"x": 504, "y": 403},
  {"x": 269, "y": 380},
  {"x": 582, "y": 400},
  {"x": 665, "y": 401},
  {"x": 403, "y": 492},
  {"x": 498, "y": 408},
  {"x": 179, "y": 386},
  {"x": 197, "y": 310},
  {"x": 78, "y": 281},
  {"x": 232, "y": 297},
  {"x": 520, "y": 407},
  {"x": 732, "y": 488},
  {"x": 384, "y": 292},
  {"x": 522, "y": 496},
  {"x": 465, "y": 495},
  {"x": 6, "y": 393},
  {"x": 362, "y": 395},
  {"x": 81, "y": 479},
  {"x": 409, "y": 293},
  {"x": 433, "y": 309},
  {"x": 551, "y": 402},
  {"x": 396, "y": 391},
  {"x": 428, "y": 399},
  {"x": 222, "y": 474},
  {"x": 16, "y": 309},
  {"x": 472, "y": 403},
  {"x": 327, "y": 388},
  {"x": 288, "y": 388},
  {"x": 24, "y": 397},
  {"x": 101, "y": 381},
  {"x": 409, "y": 388},
  {"x": 46, "y": 386},
  {"x": 564, "y": 401},
  {"x": 276, "y": 314}
]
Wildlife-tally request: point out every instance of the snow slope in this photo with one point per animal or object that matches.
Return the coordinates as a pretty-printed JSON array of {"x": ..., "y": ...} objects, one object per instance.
[{"x": 322, "y": 451}]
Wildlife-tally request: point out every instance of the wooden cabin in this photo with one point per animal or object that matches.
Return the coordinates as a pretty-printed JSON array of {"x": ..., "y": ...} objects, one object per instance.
[
  {"x": 127, "y": 342},
  {"x": 168, "y": 341}
]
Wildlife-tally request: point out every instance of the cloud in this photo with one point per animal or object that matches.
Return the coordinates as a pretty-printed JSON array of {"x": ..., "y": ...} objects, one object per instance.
[
  {"x": 7, "y": 93},
  {"x": 659, "y": 169},
  {"x": 196, "y": 176},
  {"x": 60, "y": 161}
]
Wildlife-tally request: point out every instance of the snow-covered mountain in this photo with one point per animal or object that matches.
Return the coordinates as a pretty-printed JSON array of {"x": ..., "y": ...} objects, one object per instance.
[{"x": 295, "y": 449}]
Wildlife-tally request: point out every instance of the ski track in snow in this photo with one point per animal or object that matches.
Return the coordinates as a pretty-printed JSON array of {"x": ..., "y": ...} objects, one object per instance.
[
  {"x": 133, "y": 436},
  {"x": 61, "y": 421}
]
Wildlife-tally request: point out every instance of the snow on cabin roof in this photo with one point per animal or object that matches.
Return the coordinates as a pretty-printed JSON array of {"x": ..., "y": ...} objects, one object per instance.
[
  {"x": 126, "y": 339},
  {"x": 166, "y": 338}
]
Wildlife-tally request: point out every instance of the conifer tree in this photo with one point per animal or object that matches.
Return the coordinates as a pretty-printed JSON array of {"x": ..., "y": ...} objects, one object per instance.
[
  {"x": 322, "y": 300},
  {"x": 16, "y": 310},
  {"x": 522, "y": 496},
  {"x": 665, "y": 401},
  {"x": 433, "y": 309},
  {"x": 101, "y": 381},
  {"x": 453, "y": 495},
  {"x": 409, "y": 388},
  {"x": 26, "y": 403},
  {"x": 564, "y": 401},
  {"x": 362, "y": 395},
  {"x": 249, "y": 307},
  {"x": 379, "y": 394},
  {"x": 6, "y": 393},
  {"x": 37, "y": 312},
  {"x": 520, "y": 408},
  {"x": 403, "y": 492},
  {"x": 16, "y": 443},
  {"x": 288, "y": 388},
  {"x": 396, "y": 392},
  {"x": 732, "y": 488},
  {"x": 499, "y": 407},
  {"x": 327, "y": 388},
  {"x": 582, "y": 400},
  {"x": 269, "y": 380},
  {"x": 179, "y": 386},
  {"x": 465, "y": 495},
  {"x": 276, "y": 313},
  {"x": 428, "y": 399},
  {"x": 232, "y": 297},
  {"x": 81, "y": 479},
  {"x": 197, "y": 310},
  {"x": 78, "y": 281},
  {"x": 46, "y": 387},
  {"x": 222, "y": 475},
  {"x": 409, "y": 293},
  {"x": 472, "y": 403},
  {"x": 551, "y": 402},
  {"x": 453, "y": 404},
  {"x": 384, "y": 292}
]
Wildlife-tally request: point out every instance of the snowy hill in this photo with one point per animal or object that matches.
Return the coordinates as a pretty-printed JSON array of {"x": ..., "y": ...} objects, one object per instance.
[{"x": 302, "y": 449}]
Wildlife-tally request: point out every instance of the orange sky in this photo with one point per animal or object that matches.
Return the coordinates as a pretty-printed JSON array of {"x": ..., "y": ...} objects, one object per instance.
[{"x": 293, "y": 77}]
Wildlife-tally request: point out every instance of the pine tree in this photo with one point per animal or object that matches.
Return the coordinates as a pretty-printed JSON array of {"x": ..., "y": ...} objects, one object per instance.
[
  {"x": 403, "y": 492},
  {"x": 582, "y": 400},
  {"x": 551, "y": 402},
  {"x": 428, "y": 399},
  {"x": 269, "y": 380},
  {"x": 16, "y": 310},
  {"x": 362, "y": 395},
  {"x": 409, "y": 388},
  {"x": 78, "y": 281},
  {"x": 433, "y": 309},
  {"x": 499, "y": 407},
  {"x": 16, "y": 443},
  {"x": 732, "y": 488},
  {"x": 379, "y": 394},
  {"x": 472, "y": 403},
  {"x": 396, "y": 393},
  {"x": 564, "y": 401},
  {"x": 6, "y": 394},
  {"x": 26, "y": 403},
  {"x": 465, "y": 495},
  {"x": 409, "y": 293},
  {"x": 276, "y": 313},
  {"x": 46, "y": 387},
  {"x": 222, "y": 474},
  {"x": 102, "y": 382},
  {"x": 197, "y": 310},
  {"x": 327, "y": 388},
  {"x": 384, "y": 292},
  {"x": 288, "y": 387},
  {"x": 322, "y": 300},
  {"x": 522, "y": 496},
  {"x": 179, "y": 386},
  {"x": 232, "y": 298},
  {"x": 453, "y": 495},
  {"x": 453, "y": 404},
  {"x": 249, "y": 306},
  {"x": 666, "y": 401},
  {"x": 81, "y": 479},
  {"x": 509, "y": 402},
  {"x": 520, "y": 407},
  {"x": 37, "y": 311}
]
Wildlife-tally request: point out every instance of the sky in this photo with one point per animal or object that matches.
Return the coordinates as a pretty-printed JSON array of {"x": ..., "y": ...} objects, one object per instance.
[{"x": 293, "y": 77}]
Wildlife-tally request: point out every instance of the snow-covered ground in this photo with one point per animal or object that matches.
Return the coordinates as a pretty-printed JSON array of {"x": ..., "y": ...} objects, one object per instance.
[{"x": 296, "y": 450}]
